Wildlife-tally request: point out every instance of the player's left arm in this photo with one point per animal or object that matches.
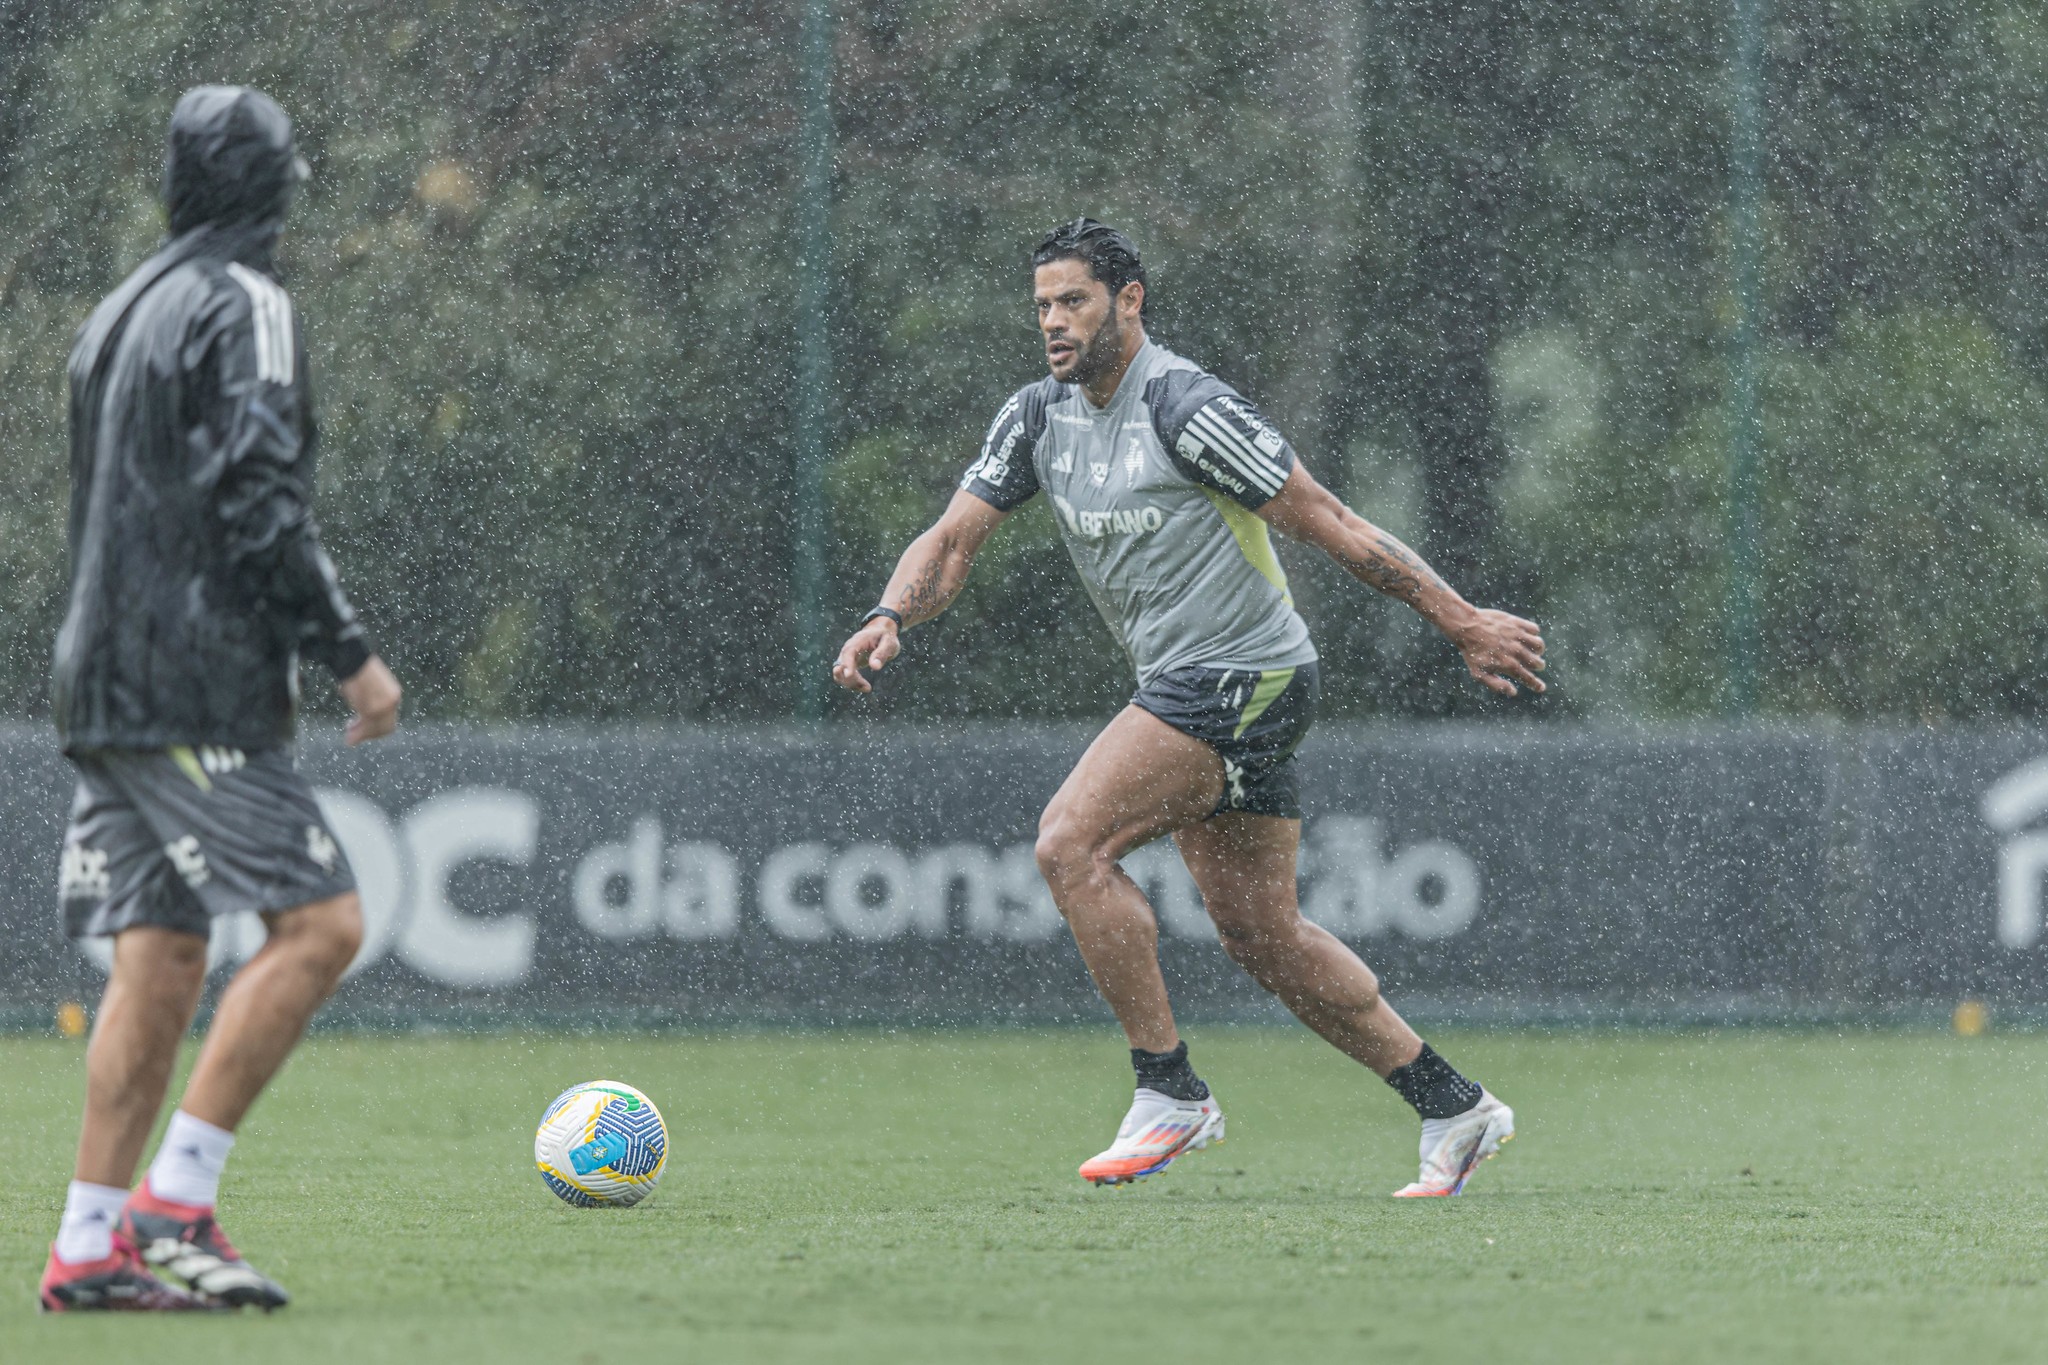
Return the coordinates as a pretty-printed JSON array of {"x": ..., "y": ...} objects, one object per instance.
[
  {"x": 257, "y": 455},
  {"x": 1501, "y": 650}
]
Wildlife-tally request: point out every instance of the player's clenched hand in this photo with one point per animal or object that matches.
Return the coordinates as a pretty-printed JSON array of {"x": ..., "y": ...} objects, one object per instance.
[
  {"x": 873, "y": 645},
  {"x": 1502, "y": 650},
  {"x": 372, "y": 693}
]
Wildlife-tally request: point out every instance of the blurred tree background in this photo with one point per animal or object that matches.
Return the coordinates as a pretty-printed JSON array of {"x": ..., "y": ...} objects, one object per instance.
[{"x": 1473, "y": 257}]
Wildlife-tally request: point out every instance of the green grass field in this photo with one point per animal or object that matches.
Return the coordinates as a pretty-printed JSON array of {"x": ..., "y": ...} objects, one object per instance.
[{"x": 903, "y": 1198}]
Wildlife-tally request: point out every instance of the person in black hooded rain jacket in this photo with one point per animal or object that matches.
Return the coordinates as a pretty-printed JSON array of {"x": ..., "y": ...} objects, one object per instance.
[{"x": 197, "y": 583}]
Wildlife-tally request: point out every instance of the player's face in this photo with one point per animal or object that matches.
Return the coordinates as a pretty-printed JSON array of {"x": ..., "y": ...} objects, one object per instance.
[{"x": 1082, "y": 337}]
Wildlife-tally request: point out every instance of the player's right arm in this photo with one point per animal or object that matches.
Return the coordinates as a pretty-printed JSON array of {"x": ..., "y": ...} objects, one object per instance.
[
  {"x": 934, "y": 568},
  {"x": 927, "y": 579}
]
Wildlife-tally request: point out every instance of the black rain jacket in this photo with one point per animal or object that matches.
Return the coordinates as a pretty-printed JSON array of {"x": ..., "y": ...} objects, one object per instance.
[{"x": 197, "y": 576}]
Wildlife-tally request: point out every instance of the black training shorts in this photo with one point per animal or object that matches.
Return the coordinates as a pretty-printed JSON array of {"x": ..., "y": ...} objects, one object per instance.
[
  {"x": 175, "y": 837},
  {"x": 1253, "y": 720}
]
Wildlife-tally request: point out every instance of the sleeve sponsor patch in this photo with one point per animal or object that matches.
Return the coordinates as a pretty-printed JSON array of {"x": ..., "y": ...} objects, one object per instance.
[
  {"x": 1003, "y": 475},
  {"x": 1228, "y": 445}
]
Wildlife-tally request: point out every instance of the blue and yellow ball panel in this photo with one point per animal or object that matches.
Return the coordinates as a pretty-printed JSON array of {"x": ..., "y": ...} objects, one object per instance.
[
  {"x": 634, "y": 1137},
  {"x": 569, "y": 1193},
  {"x": 601, "y": 1145}
]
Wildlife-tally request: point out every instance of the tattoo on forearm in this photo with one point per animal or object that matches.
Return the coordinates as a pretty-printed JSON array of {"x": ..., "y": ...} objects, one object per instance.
[
  {"x": 926, "y": 594},
  {"x": 1394, "y": 569}
]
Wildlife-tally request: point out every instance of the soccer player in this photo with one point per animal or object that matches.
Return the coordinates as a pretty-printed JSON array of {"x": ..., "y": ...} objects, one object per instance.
[
  {"x": 197, "y": 581},
  {"x": 1166, "y": 483}
]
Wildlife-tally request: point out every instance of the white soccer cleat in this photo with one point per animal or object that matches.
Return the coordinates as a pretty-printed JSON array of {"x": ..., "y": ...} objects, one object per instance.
[
  {"x": 1453, "y": 1148},
  {"x": 1157, "y": 1130}
]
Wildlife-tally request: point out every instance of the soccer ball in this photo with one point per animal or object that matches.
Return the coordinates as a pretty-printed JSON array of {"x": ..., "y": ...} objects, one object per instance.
[{"x": 601, "y": 1145}]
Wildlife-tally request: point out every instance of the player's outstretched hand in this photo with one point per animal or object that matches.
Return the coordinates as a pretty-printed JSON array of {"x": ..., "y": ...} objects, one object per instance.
[
  {"x": 372, "y": 693},
  {"x": 1502, "y": 650},
  {"x": 873, "y": 645}
]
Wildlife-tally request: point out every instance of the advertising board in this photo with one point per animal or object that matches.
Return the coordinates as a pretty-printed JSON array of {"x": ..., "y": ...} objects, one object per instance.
[{"x": 889, "y": 876}]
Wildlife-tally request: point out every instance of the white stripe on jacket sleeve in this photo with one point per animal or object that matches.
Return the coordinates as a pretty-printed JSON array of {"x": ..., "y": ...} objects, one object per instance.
[{"x": 270, "y": 311}]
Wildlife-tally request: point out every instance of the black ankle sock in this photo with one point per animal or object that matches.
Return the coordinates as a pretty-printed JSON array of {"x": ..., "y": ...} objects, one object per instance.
[
  {"x": 1434, "y": 1086},
  {"x": 1169, "y": 1073}
]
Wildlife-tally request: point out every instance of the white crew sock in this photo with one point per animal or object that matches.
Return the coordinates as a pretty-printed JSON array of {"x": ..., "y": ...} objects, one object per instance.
[
  {"x": 90, "y": 1213},
  {"x": 187, "y": 1167}
]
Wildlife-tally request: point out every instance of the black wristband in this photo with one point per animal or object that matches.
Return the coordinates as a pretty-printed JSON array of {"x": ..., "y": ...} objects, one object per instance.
[
  {"x": 889, "y": 612},
  {"x": 345, "y": 658}
]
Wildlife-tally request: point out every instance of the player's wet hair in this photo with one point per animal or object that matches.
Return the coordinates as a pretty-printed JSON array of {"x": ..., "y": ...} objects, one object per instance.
[{"x": 1111, "y": 257}]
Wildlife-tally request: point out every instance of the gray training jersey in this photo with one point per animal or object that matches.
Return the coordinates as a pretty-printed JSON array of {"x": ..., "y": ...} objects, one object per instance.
[{"x": 1154, "y": 496}]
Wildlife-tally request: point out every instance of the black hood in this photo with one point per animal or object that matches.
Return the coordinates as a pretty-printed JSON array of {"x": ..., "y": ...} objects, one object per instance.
[{"x": 229, "y": 159}]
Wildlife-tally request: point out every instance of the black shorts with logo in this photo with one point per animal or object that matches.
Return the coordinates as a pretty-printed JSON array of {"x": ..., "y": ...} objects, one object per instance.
[
  {"x": 175, "y": 837},
  {"x": 1253, "y": 720}
]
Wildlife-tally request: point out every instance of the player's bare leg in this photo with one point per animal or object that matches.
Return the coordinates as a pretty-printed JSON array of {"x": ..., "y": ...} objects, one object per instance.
[
  {"x": 1245, "y": 867},
  {"x": 1140, "y": 779},
  {"x": 149, "y": 1001},
  {"x": 266, "y": 1008},
  {"x": 259, "y": 1021},
  {"x": 148, "y": 1004}
]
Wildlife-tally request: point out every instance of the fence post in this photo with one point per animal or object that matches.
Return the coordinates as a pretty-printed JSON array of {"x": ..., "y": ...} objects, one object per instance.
[
  {"x": 814, "y": 360},
  {"x": 1745, "y": 415}
]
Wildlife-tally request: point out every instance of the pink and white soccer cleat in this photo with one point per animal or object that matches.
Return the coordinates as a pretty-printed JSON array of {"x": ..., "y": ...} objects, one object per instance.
[
  {"x": 1453, "y": 1148},
  {"x": 185, "y": 1240},
  {"x": 1158, "y": 1130},
  {"x": 118, "y": 1282}
]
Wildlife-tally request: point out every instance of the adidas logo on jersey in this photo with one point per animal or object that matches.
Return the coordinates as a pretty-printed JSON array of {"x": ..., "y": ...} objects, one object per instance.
[
  {"x": 1115, "y": 521},
  {"x": 1065, "y": 463}
]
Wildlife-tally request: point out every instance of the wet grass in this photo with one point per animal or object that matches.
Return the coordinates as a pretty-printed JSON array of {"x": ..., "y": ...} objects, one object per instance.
[{"x": 905, "y": 1198}]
